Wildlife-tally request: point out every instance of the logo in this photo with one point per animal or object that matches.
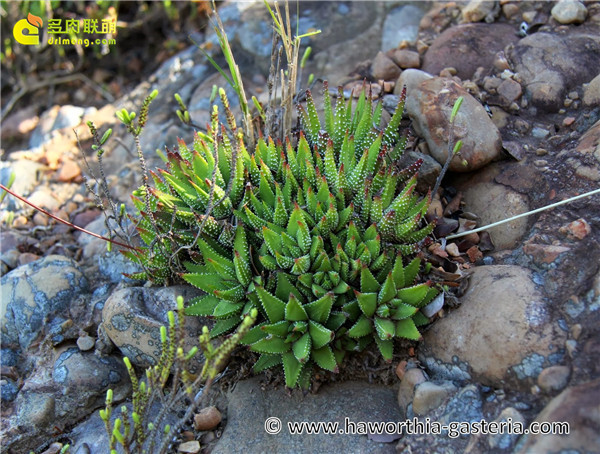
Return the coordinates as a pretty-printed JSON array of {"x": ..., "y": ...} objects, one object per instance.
[{"x": 27, "y": 31}]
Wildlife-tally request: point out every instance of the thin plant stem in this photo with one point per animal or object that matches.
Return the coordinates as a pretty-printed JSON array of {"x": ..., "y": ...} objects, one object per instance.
[
  {"x": 81, "y": 229},
  {"x": 504, "y": 221}
]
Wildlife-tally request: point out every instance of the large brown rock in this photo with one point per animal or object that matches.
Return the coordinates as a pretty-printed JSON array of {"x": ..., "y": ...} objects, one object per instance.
[
  {"x": 501, "y": 332},
  {"x": 579, "y": 407},
  {"x": 430, "y": 106},
  {"x": 468, "y": 46},
  {"x": 551, "y": 64},
  {"x": 132, "y": 318}
]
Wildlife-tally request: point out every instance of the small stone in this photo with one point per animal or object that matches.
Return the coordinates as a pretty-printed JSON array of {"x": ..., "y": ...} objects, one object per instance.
[
  {"x": 510, "y": 10},
  {"x": 571, "y": 346},
  {"x": 522, "y": 126},
  {"x": 477, "y": 10},
  {"x": 540, "y": 162},
  {"x": 576, "y": 331},
  {"x": 40, "y": 219},
  {"x": 384, "y": 68},
  {"x": 567, "y": 103},
  {"x": 505, "y": 440},
  {"x": 401, "y": 369},
  {"x": 412, "y": 377},
  {"x": 448, "y": 72},
  {"x": 544, "y": 253},
  {"x": 207, "y": 419},
  {"x": 68, "y": 171},
  {"x": 474, "y": 254},
  {"x": 591, "y": 94},
  {"x": 539, "y": 133},
  {"x": 27, "y": 257},
  {"x": 554, "y": 378},
  {"x": 452, "y": 249},
  {"x": 405, "y": 58},
  {"x": 577, "y": 229},
  {"x": 510, "y": 90},
  {"x": 500, "y": 61},
  {"x": 569, "y": 12},
  {"x": 429, "y": 396},
  {"x": 568, "y": 121},
  {"x": 190, "y": 447},
  {"x": 85, "y": 343},
  {"x": 541, "y": 152}
]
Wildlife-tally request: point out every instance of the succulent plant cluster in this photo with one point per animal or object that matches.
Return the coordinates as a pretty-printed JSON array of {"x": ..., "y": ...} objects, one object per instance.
[{"x": 317, "y": 235}]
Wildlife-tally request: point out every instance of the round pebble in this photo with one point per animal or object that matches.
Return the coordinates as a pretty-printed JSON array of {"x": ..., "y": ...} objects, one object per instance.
[
  {"x": 554, "y": 378},
  {"x": 85, "y": 343},
  {"x": 207, "y": 419},
  {"x": 569, "y": 12}
]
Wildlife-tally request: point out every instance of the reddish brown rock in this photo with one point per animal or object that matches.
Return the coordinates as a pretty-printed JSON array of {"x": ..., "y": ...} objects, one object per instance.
[
  {"x": 384, "y": 68},
  {"x": 579, "y": 407},
  {"x": 405, "y": 58},
  {"x": 544, "y": 253},
  {"x": 466, "y": 47},
  {"x": 577, "y": 229},
  {"x": 430, "y": 106},
  {"x": 207, "y": 419}
]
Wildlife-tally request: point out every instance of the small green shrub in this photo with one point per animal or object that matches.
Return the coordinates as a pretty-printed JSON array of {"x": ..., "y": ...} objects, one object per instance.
[{"x": 315, "y": 234}]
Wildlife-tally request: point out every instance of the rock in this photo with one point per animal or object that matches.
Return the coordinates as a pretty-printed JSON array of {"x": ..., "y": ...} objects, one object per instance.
[
  {"x": 401, "y": 24},
  {"x": 35, "y": 410},
  {"x": 69, "y": 170},
  {"x": 8, "y": 390},
  {"x": 27, "y": 177},
  {"x": 35, "y": 294},
  {"x": 54, "y": 448},
  {"x": 467, "y": 47},
  {"x": 578, "y": 229},
  {"x": 84, "y": 378},
  {"x": 544, "y": 253},
  {"x": 506, "y": 440},
  {"x": 207, "y": 419},
  {"x": 412, "y": 377},
  {"x": 430, "y": 107},
  {"x": 429, "y": 396},
  {"x": 569, "y": 12},
  {"x": 509, "y": 90},
  {"x": 576, "y": 406},
  {"x": 192, "y": 447},
  {"x": 501, "y": 307},
  {"x": 478, "y": 10},
  {"x": 18, "y": 124},
  {"x": 428, "y": 173},
  {"x": 405, "y": 58},
  {"x": 466, "y": 405},
  {"x": 551, "y": 65},
  {"x": 591, "y": 95},
  {"x": 411, "y": 79},
  {"x": 251, "y": 409},
  {"x": 132, "y": 318},
  {"x": 85, "y": 343},
  {"x": 554, "y": 378},
  {"x": 384, "y": 68}
]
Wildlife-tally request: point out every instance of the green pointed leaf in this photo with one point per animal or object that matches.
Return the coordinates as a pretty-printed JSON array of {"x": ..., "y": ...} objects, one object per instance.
[
  {"x": 398, "y": 272},
  {"x": 266, "y": 361},
  {"x": 388, "y": 290},
  {"x": 203, "y": 306},
  {"x": 386, "y": 348},
  {"x": 319, "y": 310},
  {"x": 413, "y": 295},
  {"x": 368, "y": 283},
  {"x": 292, "y": 368},
  {"x": 406, "y": 328},
  {"x": 411, "y": 270},
  {"x": 324, "y": 358},
  {"x": 301, "y": 348},
  {"x": 285, "y": 288},
  {"x": 271, "y": 345},
  {"x": 273, "y": 306},
  {"x": 385, "y": 328},
  {"x": 361, "y": 328},
  {"x": 254, "y": 335},
  {"x": 224, "y": 326},
  {"x": 402, "y": 311},
  {"x": 367, "y": 302},
  {"x": 320, "y": 335},
  {"x": 279, "y": 329},
  {"x": 226, "y": 309}
]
